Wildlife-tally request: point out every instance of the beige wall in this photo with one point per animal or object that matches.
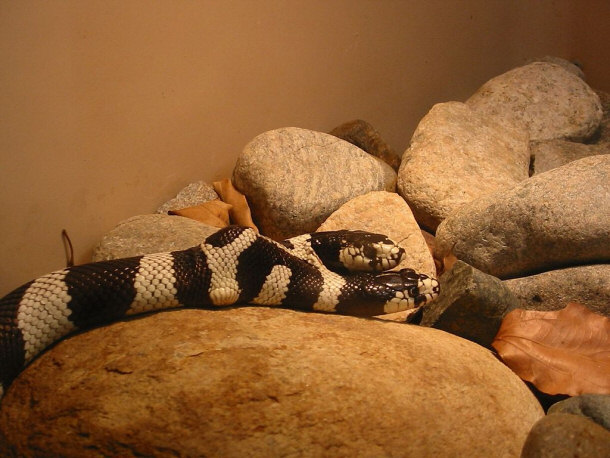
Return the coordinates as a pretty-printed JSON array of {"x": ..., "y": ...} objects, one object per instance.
[{"x": 108, "y": 108}]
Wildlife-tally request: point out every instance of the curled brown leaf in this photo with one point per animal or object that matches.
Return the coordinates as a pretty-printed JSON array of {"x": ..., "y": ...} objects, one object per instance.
[{"x": 561, "y": 352}]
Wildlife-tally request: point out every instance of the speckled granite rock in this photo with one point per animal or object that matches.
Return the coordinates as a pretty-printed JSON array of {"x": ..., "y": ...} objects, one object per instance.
[
  {"x": 567, "y": 436},
  {"x": 555, "y": 219},
  {"x": 154, "y": 233},
  {"x": 553, "y": 290},
  {"x": 563, "y": 63},
  {"x": 596, "y": 407},
  {"x": 266, "y": 382},
  {"x": 471, "y": 305},
  {"x": 385, "y": 213},
  {"x": 543, "y": 98},
  {"x": 295, "y": 178},
  {"x": 551, "y": 154},
  {"x": 366, "y": 137},
  {"x": 457, "y": 155},
  {"x": 192, "y": 195}
]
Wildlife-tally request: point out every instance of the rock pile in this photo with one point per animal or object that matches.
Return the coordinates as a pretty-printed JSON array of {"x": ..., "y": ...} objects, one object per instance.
[{"x": 516, "y": 184}]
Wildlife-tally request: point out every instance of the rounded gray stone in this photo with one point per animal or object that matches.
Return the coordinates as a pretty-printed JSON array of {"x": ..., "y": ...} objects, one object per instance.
[
  {"x": 566, "y": 436},
  {"x": 556, "y": 219},
  {"x": 457, "y": 155},
  {"x": 553, "y": 290},
  {"x": 155, "y": 233},
  {"x": 543, "y": 98},
  {"x": 295, "y": 178},
  {"x": 593, "y": 406},
  {"x": 190, "y": 196}
]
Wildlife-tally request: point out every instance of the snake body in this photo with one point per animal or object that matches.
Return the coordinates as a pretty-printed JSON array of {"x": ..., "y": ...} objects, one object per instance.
[{"x": 232, "y": 266}]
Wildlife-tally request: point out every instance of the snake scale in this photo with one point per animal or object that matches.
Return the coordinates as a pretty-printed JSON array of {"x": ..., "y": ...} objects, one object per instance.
[{"x": 336, "y": 271}]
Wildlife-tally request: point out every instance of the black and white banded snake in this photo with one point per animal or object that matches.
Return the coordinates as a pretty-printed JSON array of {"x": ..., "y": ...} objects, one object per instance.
[{"x": 232, "y": 266}]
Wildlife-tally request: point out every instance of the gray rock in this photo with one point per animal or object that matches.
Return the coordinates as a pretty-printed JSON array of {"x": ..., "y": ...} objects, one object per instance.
[
  {"x": 565, "y": 64},
  {"x": 543, "y": 98},
  {"x": 555, "y": 219},
  {"x": 385, "y": 213},
  {"x": 192, "y": 195},
  {"x": 550, "y": 154},
  {"x": 458, "y": 155},
  {"x": 471, "y": 305},
  {"x": 566, "y": 436},
  {"x": 553, "y": 290},
  {"x": 145, "y": 234},
  {"x": 295, "y": 178},
  {"x": 593, "y": 406},
  {"x": 266, "y": 382},
  {"x": 366, "y": 137}
]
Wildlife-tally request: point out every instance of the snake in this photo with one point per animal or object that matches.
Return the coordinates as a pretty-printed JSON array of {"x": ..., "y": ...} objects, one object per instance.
[{"x": 344, "y": 272}]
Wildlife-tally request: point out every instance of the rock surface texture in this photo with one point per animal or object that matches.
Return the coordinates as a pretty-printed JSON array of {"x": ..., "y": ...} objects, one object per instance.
[
  {"x": 596, "y": 407},
  {"x": 267, "y": 382},
  {"x": 366, "y": 137},
  {"x": 551, "y": 154},
  {"x": 553, "y": 290},
  {"x": 385, "y": 213},
  {"x": 295, "y": 178},
  {"x": 471, "y": 305},
  {"x": 147, "y": 234},
  {"x": 543, "y": 98},
  {"x": 457, "y": 155},
  {"x": 567, "y": 436},
  {"x": 192, "y": 195},
  {"x": 555, "y": 219}
]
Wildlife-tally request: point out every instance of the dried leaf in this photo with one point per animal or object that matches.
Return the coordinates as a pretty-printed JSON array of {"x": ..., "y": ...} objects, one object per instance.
[
  {"x": 240, "y": 210},
  {"x": 561, "y": 352},
  {"x": 214, "y": 213}
]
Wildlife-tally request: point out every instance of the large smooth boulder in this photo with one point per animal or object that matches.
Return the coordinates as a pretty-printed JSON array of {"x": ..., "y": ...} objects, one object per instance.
[
  {"x": 555, "y": 219},
  {"x": 457, "y": 155},
  {"x": 155, "y": 233},
  {"x": 266, "y": 382},
  {"x": 544, "y": 99},
  {"x": 295, "y": 178}
]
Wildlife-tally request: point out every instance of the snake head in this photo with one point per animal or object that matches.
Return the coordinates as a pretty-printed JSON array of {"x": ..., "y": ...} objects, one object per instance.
[
  {"x": 409, "y": 288},
  {"x": 356, "y": 251},
  {"x": 367, "y": 294}
]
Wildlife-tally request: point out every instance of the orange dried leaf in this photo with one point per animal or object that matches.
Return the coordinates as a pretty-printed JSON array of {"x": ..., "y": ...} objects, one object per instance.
[
  {"x": 240, "y": 210},
  {"x": 561, "y": 352}
]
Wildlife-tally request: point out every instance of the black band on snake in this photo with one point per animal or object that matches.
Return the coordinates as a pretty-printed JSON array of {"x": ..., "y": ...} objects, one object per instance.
[{"x": 232, "y": 266}]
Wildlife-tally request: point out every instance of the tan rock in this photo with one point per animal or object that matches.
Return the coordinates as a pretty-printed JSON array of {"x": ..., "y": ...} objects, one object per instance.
[
  {"x": 266, "y": 382},
  {"x": 543, "y": 98},
  {"x": 552, "y": 220},
  {"x": 366, "y": 137},
  {"x": 457, "y": 155},
  {"x": 155, "y": 233},
  {"x": 550, "y": 154},
  {"x": 385, "y": 213},
  {"x": 295, "y": 178}
]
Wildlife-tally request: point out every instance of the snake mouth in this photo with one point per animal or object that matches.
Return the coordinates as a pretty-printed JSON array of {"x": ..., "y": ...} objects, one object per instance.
[{"x": 408, "y": 289}]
